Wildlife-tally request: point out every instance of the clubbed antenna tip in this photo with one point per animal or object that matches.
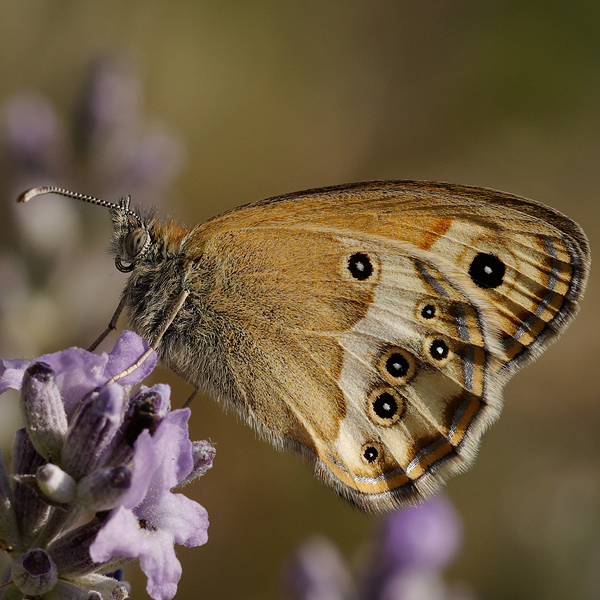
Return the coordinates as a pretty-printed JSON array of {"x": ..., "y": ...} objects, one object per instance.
[{"x": 32, "y": 193}]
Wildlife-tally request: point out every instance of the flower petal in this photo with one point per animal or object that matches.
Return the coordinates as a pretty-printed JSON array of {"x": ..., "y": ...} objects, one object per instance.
[
  {"x": 11, "y": 374},
  {"x": 78, "y": 371},
  {"x": 128, "y": 349},
  {"x": 185, "y": 519},
  {"x": 162, "y": 568},
  {"x": 175, "y": 448},
  {"x": 120, "y": 536}
]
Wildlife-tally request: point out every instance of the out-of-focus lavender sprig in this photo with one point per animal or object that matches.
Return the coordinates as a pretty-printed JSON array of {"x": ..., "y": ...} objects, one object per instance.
[
  {"x": 107, "y": 149},
  {"x": 93, "y": 478},
  {"x": 405, "y": 562}
]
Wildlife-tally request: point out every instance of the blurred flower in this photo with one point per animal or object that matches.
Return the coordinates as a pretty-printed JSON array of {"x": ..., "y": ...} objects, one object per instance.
[
  {"x": 406, "y": 562},
  {"x": 107, "y": 150},
  {"x": 317, "y": 571},
  {"x": 89, "y": 448}
]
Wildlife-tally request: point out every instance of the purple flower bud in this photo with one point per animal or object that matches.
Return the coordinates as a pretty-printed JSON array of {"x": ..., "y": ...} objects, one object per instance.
[
  {"x": 32, "y": 133},
  {"x": 142, "y": 518},
  {"x": 427, "y": 536},
  {"x": 203, "y": 454},
  {"x": 34, "y": 573},
  {"x": 92, "y": 430},
  {"x": 43, "y": 410},
  {"x": 142, "y": 414},
  {"x": 146, "y": 410},
  {"x": 109, "y": 102},
  {"x": 102, "y": 489},
  {"x": 318, "y": 572},
  {"x": 56, "y": 485},
  {"x": 415, "y": 545}
]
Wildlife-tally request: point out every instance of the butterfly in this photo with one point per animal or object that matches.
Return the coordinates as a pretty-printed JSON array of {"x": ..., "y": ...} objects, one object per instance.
[{"x": 369, "y": 327}]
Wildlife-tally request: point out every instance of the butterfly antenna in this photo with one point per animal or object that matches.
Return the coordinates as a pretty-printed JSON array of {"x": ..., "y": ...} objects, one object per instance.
[{"x": 49, "y": 189}]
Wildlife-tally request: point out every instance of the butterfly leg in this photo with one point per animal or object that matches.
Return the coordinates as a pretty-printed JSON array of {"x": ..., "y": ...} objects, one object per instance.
[
  {"x": 166, "y": 323},
  {"x": 192, "y": 396},
  {"x": 112, "y": 325}
]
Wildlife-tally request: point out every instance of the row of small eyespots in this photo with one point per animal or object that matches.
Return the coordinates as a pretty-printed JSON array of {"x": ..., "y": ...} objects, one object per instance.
[
  {"x": 361, "y": 268},
  {"x": 387, "y": 407}
]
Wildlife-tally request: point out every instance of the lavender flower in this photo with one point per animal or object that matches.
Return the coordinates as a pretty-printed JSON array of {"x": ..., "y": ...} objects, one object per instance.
[
  {"x": 317, "y": 571},
  {"x": 87, "y": 447},
  {"x": 413, "y": 549},
  {"x": 428, "y": 535},
  {"x": 406, "y": 562},
  {"x": 150, "y": 519}
]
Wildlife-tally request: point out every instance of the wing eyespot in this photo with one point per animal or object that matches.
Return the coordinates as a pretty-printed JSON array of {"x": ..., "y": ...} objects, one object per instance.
[
  {"x": 428, "y": 311},
  {"x": 371, "y": 452},
  {"x": 396, "y": 365},
  {"x": 438, "y": 351},
  {"x": 360, "y": 266},
  {"x": 487, "y": 271},
  {"x": 385, "y": 406}
]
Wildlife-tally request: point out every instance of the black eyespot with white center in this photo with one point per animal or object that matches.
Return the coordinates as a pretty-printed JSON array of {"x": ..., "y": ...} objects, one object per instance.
[
  {"x": 360, "y": 266},
  {"x": 487, "y": 271},
  {"x": 370, "y": 454},
  {"x": 397, "y": 365},
  {"x": 385, "y": 406},
  {"x": 438, "y": 349},
  {"x": 428, "y": 311}
]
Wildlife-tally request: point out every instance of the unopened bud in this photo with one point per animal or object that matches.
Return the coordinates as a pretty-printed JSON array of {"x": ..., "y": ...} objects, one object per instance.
[
  {"x": 55, "y": 484},
  {"x": 43, "y": 410},
  {"x": 203, "y": 454},
  {"x": 102, "y": 489},
  {"x": 34, "y": 572},
  {"x": 92, "y": 430}
]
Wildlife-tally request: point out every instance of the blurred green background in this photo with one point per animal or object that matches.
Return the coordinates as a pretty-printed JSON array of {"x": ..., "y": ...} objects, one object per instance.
[{"x": 269, "y": 97}]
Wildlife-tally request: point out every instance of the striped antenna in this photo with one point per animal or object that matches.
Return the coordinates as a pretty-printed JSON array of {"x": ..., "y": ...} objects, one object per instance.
[{"x": 49, "y": 189}]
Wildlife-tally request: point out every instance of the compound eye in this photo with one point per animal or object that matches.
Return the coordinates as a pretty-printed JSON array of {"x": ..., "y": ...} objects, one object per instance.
[{"x": 136, "y": 241}]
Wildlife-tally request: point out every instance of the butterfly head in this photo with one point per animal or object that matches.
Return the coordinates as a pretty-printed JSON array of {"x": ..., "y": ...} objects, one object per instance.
[
  {"x": 137, "y": 239},
  {"x": 132, "y": 239}
]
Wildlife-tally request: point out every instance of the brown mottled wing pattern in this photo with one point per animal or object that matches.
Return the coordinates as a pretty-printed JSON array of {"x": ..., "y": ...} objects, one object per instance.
[{"x": 372, "y": 326}]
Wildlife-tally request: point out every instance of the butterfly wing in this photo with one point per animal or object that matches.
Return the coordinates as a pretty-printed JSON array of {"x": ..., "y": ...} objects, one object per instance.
[
  {"x": 418, "y": 380},
  {"x": 545, "y": 256},
  {"x": 371, "y": 327}
]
